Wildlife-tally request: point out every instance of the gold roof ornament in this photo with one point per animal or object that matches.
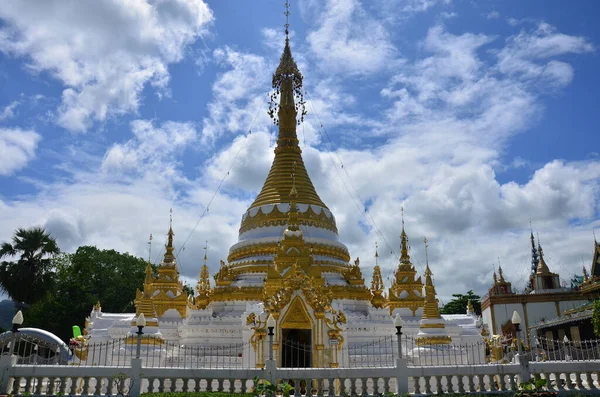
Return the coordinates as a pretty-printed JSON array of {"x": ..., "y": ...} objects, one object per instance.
[
  {"x": 165, "y": 291},
  {"x": 542, "y": 267},
  {"x": 97, "y": 307},
  {"x": 406, "y": 289},
  {"x": 404, "y": 257},
  {"x": 431, "y": 318},
  {"x": 430, "y": 309},
  {"x": 378, "y": 300},
  {"x": 501, "y": 274},
  {"x": 169, "y": 258},
  {"x": 203, "y": 286},
  {"x": 585, "y": 275}
]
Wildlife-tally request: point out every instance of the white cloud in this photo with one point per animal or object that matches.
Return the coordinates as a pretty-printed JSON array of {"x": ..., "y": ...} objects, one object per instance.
[
  {"x": 104, "y": 53},
  {"x": 237, "y": 99},
  {"x": 151, "y": 148},
  {"x": 9, "y": 110},
  {"x": 17, "y": 148},
  {"x": 493, "y": 15},
  {"x": 348, "y": 40},
  {"x": 528, "y": 54}
]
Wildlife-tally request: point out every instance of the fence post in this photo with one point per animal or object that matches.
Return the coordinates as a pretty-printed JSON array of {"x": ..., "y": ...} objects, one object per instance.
[
  {"x": 402, "y": 376},
  {"x": 271, "y": 364},
  {"x": 7, "y": 362},
  {"x": 135, "y": 377},
  {"x": 523, "y": 360}
]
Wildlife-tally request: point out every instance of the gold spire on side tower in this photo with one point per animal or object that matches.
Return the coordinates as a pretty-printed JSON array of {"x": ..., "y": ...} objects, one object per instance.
[
  {"x": 432, "y": 325},
  {"x": 166, "y": 290},
  {"x": 406, "y": 290},
  {"x": 203, "y": 286},
  {"x": 169, "y": 248},
  {"x": 378, "y": 300}
]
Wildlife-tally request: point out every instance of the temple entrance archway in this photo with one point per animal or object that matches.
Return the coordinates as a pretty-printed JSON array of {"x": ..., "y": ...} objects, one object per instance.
[
  {"x": 296, "y": 348},
  {"x": 296, "y": 336}
]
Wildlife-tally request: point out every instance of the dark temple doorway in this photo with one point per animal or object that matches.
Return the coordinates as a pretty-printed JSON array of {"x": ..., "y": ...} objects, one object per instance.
[{"x": 297, "y": 348}]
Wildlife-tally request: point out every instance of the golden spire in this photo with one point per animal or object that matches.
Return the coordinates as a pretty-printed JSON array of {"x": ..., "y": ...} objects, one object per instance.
[
  {"x": 287, "y": 84},
  {"x": 404, "y": 257},
  {"x": 432, "y": 325},
  {"x": 430, "y": 309},
  {"x": 495, "y": 278},
  {"x": 377, "y": 287},
  {"x": 169, "y": 248},
  {"x": 542, "y": 267},
  {"x": 500, "y": 272},
  {"x": 203, "y": 286},
  {"x": 149, "y": 276},
  {"x": 586, "y": 278}
]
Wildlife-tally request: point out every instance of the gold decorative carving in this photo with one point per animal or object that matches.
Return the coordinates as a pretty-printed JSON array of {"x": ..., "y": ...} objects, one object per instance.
[
  {"x": 261, "y": 249},
  {"x": 278, "y": 218},
  {"x": 378, "y": 300},
  {"x": 296, "y": 316},
  {"x": 433, "y": 340}
]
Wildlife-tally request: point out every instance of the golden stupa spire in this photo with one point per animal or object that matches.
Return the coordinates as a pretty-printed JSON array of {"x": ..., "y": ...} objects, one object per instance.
[
  {"x": 287, "y": 85},
  {"x": 169, "y": 248},
  {"x": 404, "y": 257},
  {"x": 542, "y": 267},
  {"x": 203, "y": 285},
  {"x": 500, "y": 274},
  {"x": 149, "y": 276},
  {"x": 430, "y": 309},
  {"x": 378, "y": 300}
]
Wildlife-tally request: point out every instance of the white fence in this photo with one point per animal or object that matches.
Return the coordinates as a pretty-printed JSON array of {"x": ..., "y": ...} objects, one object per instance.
[
  {"x": 26, "y": 380},
  {"x": 20, "y": 376}
]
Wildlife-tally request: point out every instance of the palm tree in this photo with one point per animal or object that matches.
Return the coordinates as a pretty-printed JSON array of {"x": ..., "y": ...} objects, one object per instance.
[{"x": 29, "y": 277}]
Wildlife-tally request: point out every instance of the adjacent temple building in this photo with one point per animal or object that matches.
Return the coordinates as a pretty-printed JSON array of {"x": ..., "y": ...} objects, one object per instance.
[
  {"x": 544, "y": 304},
  {"x": 288, "y": 262}
]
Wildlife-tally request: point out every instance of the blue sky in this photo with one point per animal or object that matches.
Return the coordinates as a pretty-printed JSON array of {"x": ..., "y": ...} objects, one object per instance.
[{"x": 474, "y": 116}]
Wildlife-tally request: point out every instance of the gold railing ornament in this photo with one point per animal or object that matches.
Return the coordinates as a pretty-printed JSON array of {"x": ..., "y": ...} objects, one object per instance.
[{"x": 259, "y": 327}]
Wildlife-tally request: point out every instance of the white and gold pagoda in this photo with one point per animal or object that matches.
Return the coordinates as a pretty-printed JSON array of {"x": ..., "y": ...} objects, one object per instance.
[{"x": 288, "y": 262}]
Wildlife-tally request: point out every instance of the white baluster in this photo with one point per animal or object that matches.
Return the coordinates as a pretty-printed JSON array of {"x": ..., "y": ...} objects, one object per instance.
[
  {"x": 427, "y": 385},
  {"x": 578, "y": 383}
]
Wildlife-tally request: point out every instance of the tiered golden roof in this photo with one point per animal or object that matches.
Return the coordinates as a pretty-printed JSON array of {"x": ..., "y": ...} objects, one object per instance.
[
  {"x": 166, "y": 291},
  {"x": 203, "y": 287},
  {"x": 431, "y": 312},
  {"x": 406, "y": 288},
  {"x": 378, "y": 300}
]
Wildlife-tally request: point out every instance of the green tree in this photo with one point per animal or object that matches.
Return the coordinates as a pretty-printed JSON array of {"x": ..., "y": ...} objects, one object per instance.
[
  {"x": 27, "y": 279},
  {"x": 458, "y": 305},
  {"x": 82, "y": 279}
]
